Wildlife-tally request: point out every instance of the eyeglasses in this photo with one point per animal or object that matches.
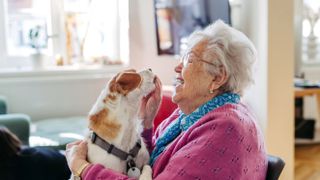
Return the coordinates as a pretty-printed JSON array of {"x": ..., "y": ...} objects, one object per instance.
[{"x": 190, "y": 57}]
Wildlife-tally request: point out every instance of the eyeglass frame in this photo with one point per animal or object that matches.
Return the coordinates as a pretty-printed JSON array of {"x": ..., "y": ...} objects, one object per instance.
[{"x": 185, "y": 59}]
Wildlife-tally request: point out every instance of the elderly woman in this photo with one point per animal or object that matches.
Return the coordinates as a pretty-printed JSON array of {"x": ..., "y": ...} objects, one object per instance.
[{"x": 212, "y": 135}]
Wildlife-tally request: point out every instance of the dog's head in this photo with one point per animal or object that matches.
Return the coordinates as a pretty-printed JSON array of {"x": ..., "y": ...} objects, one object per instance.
[{"x": 119, "y": 102}]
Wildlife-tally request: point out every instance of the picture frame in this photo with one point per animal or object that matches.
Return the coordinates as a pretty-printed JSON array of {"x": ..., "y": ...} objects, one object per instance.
[{"x": 175, "y": 20}]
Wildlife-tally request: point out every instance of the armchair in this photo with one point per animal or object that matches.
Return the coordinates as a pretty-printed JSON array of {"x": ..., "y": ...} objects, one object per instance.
[
  {"x": 275, "y": 167},
  {"x": 19, "y": 124}
]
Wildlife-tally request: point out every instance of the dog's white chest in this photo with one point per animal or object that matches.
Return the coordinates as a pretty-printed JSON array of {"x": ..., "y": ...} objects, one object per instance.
[{"x": 98, "y": 155}]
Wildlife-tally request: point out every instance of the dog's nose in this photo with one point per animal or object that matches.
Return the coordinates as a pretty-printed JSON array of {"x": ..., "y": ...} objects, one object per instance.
[{"x": 150, "y": 69}]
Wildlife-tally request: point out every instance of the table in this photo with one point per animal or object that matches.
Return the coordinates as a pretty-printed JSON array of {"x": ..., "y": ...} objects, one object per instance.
[{"x": 300, "y": 93}]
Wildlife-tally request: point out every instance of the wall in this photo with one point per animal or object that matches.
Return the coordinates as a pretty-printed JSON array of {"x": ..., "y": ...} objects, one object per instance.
[
  {"x": 281, "y": 42},
  {"x": 54, "y": 93},
  {"x": 256, "y": 29},
  {"x": 142, "y": 42},
  {"x": 2, "y": 35}
]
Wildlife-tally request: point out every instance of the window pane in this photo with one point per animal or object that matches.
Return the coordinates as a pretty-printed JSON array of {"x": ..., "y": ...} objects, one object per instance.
[
  {"x": 28, "y": 26},
  {"x": 310, "y": 31},
  {"x": 92, "y": 30}
]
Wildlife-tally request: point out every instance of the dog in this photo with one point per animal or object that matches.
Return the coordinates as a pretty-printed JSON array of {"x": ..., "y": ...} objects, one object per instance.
[{"x": 115, "y": 140}]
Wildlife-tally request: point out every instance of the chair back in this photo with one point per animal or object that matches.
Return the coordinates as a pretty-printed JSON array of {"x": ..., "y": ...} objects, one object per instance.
[
  {"x": 275, "y": 167},
  {"x": 166, "y": 108},
  {"x": 3, "y": 105},
  {"x": 18, "y": 124}
]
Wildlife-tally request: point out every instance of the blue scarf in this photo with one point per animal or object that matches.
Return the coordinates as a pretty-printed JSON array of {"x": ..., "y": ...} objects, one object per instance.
[{"x": 185, "y": 121}]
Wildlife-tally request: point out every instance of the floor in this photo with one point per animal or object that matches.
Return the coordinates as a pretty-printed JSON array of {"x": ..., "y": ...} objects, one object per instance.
[{"x": 307, "y": 162}]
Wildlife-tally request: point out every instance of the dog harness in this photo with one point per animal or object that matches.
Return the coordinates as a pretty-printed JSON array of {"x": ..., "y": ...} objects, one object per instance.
[{"x": 132, "y": 170}]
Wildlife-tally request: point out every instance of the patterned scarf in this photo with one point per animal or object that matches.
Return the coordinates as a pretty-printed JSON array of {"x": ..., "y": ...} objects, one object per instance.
[{"x": 185, "y": 121}]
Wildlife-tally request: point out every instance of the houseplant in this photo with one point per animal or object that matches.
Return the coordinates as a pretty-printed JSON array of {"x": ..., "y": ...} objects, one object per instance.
[{"x": 38, "y": 41}]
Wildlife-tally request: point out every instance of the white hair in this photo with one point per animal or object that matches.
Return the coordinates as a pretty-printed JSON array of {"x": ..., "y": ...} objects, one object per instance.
[{"x": 230, "y": 49}]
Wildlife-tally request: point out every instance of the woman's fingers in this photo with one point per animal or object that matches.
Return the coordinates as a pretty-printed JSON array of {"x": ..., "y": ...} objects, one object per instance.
[
  {"x": 69, "y": 145},
  {"x": 82, "y": 150},
  {"x": 77, "y": 149},
  {"x": 76, "y": 154},
  {"x": 158, "y": 88},
  {"x": 158, "y": 82},
  {"x": 150, "y": 104}
]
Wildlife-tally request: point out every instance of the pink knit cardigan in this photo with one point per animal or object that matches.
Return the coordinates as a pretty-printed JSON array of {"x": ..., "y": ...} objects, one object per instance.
[{"x": 224, "y": 144}]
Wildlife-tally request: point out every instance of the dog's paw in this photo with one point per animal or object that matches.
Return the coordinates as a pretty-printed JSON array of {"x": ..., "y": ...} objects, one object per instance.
[{"x": 146, "y": 173}]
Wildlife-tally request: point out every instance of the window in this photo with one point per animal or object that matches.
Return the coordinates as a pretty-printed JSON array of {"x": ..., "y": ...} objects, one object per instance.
[
  {"x": 24, "y": 20},
  {"x": 81, "y": 31},
  {"x": 311, "y": 32}
]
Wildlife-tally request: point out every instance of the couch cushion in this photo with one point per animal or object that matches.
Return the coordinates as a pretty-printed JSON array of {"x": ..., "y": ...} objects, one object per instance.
[
  {"x": 58, "y": 131},
  {"x": 18, "y": 124},
  {"x": 3, "y": 106}
]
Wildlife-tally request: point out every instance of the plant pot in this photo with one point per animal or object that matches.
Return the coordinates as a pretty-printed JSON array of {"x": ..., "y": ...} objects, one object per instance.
[{"x": 38, "y": 60}]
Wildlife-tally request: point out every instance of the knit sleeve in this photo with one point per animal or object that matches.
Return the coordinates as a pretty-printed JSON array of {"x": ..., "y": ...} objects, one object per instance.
[
  {"x": 147, "y": 138},
  {"x": 151, "y": 136},
  {"x": 97, "y": 171},
  {"x": 215, "y": 150}
]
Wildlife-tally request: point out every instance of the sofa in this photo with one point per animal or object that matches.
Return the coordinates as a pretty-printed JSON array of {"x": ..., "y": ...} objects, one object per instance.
[
  {"x": 53, "y": 133},
  {"x": 19, "y": 124},
  {"x": 57, "y": 132}
]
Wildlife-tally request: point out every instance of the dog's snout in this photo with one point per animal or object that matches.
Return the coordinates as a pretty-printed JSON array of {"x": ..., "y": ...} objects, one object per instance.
[{"x": 149, "y": 69}]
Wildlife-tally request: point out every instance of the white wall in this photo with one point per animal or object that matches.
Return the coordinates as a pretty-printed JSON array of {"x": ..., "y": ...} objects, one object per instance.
[
  {"x": 55, "y": 93},
  {"x": 255, "y": 27},
  {"x": 280, "y": 129},
  {"x": 142, "y": 42}
]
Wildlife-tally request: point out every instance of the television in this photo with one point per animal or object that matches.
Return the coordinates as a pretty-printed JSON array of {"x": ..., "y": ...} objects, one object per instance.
[{"x": 177, "y": 19}]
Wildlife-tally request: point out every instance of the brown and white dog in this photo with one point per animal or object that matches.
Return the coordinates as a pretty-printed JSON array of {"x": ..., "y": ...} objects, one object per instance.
[{"x": 114, "y": 118}]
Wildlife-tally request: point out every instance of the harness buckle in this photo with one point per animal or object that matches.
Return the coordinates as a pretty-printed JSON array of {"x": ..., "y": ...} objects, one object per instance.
[
  {"x": 110, "y": 148},
  {"x": 93, "y": 137}
]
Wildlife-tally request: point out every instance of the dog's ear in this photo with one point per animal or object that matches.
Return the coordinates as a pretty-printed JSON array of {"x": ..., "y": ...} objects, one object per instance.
[
  {"x": 128, "y": 81},
  {"x": 130, "y": 70}
]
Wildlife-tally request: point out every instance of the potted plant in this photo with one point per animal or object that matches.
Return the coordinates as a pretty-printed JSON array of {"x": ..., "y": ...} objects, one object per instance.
[{"x": 38, "y": 41}]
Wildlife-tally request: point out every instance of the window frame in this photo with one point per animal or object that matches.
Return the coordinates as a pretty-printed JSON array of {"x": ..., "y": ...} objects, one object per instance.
[
  {"x": 58, "y": 35},
  {"x": 304, "y": 45}
]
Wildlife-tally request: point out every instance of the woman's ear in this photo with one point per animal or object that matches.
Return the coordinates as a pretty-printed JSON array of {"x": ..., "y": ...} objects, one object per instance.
[{"x": 219, "y": 80}]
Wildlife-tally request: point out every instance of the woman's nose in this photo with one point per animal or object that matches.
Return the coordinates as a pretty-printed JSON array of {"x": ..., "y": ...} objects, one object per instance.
[{"x": 178, "y": 68}]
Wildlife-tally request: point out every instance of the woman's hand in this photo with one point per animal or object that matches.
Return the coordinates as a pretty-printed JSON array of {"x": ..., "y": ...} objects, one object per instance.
[
  {"x": 76, "y": 154},
  {"x": 150, "y": 105}
]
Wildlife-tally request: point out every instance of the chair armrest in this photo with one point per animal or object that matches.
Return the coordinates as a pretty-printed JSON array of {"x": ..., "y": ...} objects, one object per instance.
[
  {"x": 275, "y": 167},
  {"x": 3, "y": 105},
  {"x": 19, "y": 124}
]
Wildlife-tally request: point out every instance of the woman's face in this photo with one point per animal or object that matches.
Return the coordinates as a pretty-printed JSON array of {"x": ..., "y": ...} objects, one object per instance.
[{"x": 192, "y": 81}]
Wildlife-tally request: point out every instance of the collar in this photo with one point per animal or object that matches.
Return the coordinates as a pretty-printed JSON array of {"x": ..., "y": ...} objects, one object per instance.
[{"x": 111, "y": 149}]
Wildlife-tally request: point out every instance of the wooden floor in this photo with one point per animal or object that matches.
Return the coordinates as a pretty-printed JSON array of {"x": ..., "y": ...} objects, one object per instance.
[{"x": 307, "y": 162}]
